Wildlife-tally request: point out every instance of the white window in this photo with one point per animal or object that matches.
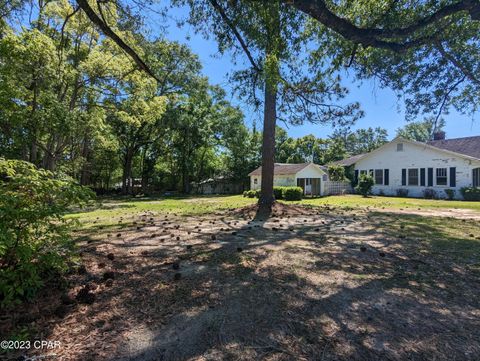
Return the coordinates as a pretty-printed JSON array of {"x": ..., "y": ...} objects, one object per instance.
[
  {"x": 413, "y": 177},
  {"x": 441, "y": 176},
  {"x": 379, "y": 176},
  {"x": 308, "y": 181},
  {"x": 399, "y": 147}
]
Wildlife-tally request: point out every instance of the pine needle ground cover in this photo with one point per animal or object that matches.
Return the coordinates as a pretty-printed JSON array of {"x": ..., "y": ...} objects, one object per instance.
[{"x": 199, "y": 278}]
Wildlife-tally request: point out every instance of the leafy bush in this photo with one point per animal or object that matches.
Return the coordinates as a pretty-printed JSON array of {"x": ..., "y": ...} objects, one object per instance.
[
  {"x": 292, "y": 193},
  {"x": 450, "y": 193},
  {"x": 336, "y": 173},
  {"x": 470, "y": 193},
  {"x": 429, "y": 193},
  {"x": 252, "y": 193},
  {"x": 365, "y": 184},
  {"x": 278, "y": 192},
  {"x": 402, "y": 192},
  {"x": 34, "y": 237}
]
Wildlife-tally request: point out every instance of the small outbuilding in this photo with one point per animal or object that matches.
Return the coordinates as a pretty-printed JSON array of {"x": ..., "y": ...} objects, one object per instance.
[
  {"x": 311, "y": 177},
  {"x": 218, "y": 185}
]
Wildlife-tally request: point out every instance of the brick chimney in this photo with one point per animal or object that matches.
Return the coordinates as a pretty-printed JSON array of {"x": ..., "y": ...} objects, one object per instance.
[{"x": 439, "y": 135}]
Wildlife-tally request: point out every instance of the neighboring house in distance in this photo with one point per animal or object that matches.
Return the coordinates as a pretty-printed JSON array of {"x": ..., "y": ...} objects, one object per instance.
[
  {"x": 405, "y": 164},
  {"x": 218, "y": 185},
  {"x": 311, "y": 177}
]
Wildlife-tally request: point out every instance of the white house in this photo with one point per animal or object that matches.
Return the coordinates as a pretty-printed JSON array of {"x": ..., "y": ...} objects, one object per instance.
[
  {"x": 311, "y": 177},
  {"x": 414, "y": 166}
]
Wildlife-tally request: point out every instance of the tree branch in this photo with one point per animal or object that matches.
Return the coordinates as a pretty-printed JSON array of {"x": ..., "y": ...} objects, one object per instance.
[
  {"x": 467, "y": 72},
  {"x": 375, "y": 37},
  {"x": 232, "y": 27},
  {"x": 445, "y": 98},
  {"x": 112, "y": 35}
]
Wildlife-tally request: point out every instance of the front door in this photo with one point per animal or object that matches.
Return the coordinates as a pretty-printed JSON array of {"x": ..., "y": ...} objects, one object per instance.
[{"x": 308, "y": 186}]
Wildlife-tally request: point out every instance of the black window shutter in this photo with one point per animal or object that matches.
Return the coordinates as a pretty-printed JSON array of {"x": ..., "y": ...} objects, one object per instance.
[
  {"x": 356, "y": 177},
  {"x": 453, "y": 177},
  {"x": 422, "y": 177},
  {"x": 385, "y": 177},
  {"x": 404, "y": 177},
  {"x": 430, "y": 177}
]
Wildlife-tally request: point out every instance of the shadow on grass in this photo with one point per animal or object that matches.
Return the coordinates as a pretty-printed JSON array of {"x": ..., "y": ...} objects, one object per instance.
[{"x": 328, "y": 286}]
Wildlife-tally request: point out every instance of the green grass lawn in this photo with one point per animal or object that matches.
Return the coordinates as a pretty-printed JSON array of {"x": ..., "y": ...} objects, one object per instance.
[
  {"x": 109, "y": 211},
  {"x": 356, "y": 201},
  {"x": 402, "y": 275}
]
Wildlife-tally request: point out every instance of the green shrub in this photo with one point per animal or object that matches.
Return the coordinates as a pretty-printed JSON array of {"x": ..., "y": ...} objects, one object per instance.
[
  {"x": 402, "y": 192},
  {"x": 278, "y": 192},
  {"x": 245, "y": 193},
  {"x": 34, "y": 237},
  {"x": 365, "y": 184},
  {"x": 450, "y": 193},
  {"x": 429, "y": 193},
  {"x": 336, "y": 173},
  {"x": 292, "y": 193},
  {"x": 470, "y": 193},
  {"x": 252, "y": 193}
]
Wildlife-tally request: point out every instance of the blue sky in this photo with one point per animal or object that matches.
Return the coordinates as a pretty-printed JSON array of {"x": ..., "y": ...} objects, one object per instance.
[{"x": 382, "y": 107}]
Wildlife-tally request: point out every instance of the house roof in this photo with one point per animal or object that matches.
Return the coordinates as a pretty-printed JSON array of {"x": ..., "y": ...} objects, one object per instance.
[
  {"x": 284, "y": 168},
  {"x": 467, "y": 146},
  {"x": 350, "y": 161}
]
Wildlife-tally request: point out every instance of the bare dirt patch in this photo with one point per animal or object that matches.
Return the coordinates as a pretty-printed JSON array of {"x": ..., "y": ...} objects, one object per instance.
[
  {"x": 454, "y": 213},
  {"x": 305, "y": 284}
]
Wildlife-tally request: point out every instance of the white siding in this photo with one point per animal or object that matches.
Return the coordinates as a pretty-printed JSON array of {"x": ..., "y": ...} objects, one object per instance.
[
  {"x": 283, "y": 180},
  {"x": 310, "y": 171},
  {"x": 417, "y": 156}
]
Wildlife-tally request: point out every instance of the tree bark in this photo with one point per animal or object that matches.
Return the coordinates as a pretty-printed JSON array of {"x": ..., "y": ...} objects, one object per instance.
[
  {"x": 266, "y": 199},
  {"x": 127, "y": 172},
  {"x": 268, "y": 146},
  {"x": 85, "y": 172},
  {"x": 185, "y": 177}
]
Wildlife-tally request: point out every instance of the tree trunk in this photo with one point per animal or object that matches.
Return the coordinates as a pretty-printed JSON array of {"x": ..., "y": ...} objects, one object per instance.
[
  {"x": 33, "y": 151},
  {"x": 185, "y": 178},
  {"x": 268, "y": 146},
  {"x": 271, "y": 70},
  {"x": 85, "y": 172},
  {"x": 145, "y": 169},
  {"x": 127, "y": 172}
]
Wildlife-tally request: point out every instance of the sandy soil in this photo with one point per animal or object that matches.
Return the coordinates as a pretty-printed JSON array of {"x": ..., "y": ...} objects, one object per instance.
[
  {"x": 453, "y": 213},
  {"x": 302, "y": 285}
]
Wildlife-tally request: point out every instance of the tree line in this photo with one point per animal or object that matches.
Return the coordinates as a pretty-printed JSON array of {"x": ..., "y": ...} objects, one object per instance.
[
  {"x": 96, "y": 97},
  {"x": 427, "y": 51},
  {"x": 71, "y": 101}
]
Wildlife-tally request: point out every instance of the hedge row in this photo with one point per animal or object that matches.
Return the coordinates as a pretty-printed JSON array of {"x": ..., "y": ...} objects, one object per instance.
[
  {"x": 252, "y": 194},
  {"x": 470, "y": 193},
  {"x": 287, "y": 193}
]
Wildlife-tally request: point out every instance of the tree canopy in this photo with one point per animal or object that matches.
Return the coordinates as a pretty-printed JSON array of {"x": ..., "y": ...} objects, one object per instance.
[
  {"x": 427, "y": 50},
  {"x": 71, "y": 101}
]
